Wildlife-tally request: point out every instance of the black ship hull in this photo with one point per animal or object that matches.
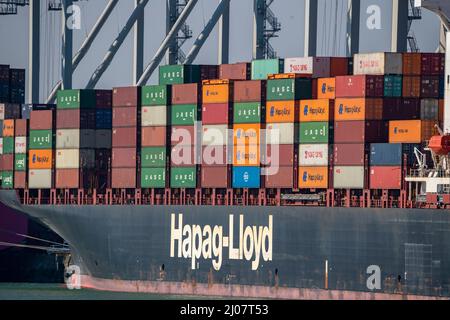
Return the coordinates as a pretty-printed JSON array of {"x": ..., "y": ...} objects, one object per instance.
[{"x": 272, "y": 252}]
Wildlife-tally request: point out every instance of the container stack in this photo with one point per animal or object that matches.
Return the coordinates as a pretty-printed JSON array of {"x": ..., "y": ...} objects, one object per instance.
[
  {"x": 75, "y": 139},
  {"x": 20, "y": 154},
  {"x": 41, "y": 149},
  {"x": 284, "y": 93},
  {"x": 8, "y": 154},
  {"x": 103, "y": 139},
  {"x": 126, "y": 138},
  {"x": 184, "y": 114},
  {"x": 217, "y": 97},
  {"x": 156, "y": 102},
  {"x": 182, "y": 74},
  {"x": 17, "y": 85}
]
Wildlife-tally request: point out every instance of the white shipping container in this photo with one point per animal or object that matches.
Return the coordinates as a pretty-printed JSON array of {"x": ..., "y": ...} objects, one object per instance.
[
  {"x": 216, "y": 135},
  {"x": 280, "y": 133},
  {"x": 378, "y": 63},
  {"x": 40, "y": 179},
  {"x": 429, "y": 109},
  {"x": 20, "y": 145},
  {"x": 2, "y": 111},
  {"x": 313, "y": 155},
  {"x": 1, "y": 146},
  {"x": 349, "y": 177},
  {"x": 75, "y": 139},
  {"x": 68, "y": 159},
  {"x": 154, "y": 116},
  {"x": 103, "y": 139},
  {"x": 318, "y": 67}
]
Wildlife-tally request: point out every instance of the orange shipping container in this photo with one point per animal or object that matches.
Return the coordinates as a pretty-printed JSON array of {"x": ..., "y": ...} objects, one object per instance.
[
  {"x": 313, "y": 178},
  {"x": 326, "y": 88},
  {"x": 411, "y": 131},
  {"x": 217, "y": 93},
  {"x": 247, "y": 134},
  {"x": 40, "y": 159},
  {"x": 320, "y": 110},
  {"x": 8, "y": 128},
  {"x": 247, "y": 156},
  {"x": 358, "y": 109},
  {"x": 282, "y": 111},
  {"x": 412, "y": 64}
]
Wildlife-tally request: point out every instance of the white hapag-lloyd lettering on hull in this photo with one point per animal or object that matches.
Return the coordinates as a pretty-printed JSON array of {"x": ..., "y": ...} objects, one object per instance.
[{"x": 195, "y": 242}]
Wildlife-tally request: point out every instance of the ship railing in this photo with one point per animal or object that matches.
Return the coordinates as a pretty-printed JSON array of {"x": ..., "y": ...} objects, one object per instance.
[{"x": 428, "y": 173}]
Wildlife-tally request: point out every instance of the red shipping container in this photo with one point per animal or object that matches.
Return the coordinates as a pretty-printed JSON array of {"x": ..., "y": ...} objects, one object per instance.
[
  {"x": 8, "y": 162},
  {"x": 20, "y": 180},
  {"x": 339, "y": 66},
  {"x": 250, "y": 91},
  {"x": 215, "y": 177},
  {"x": 183, "y": 135},
  {"x": 361, "y": 131},
  {"x": 215, "y": 156},
  {"x": 126, "y": 97},
  {"x": 285, "y": 155},
  {"x": 351, "y": 154},
  {"x": 429, "y": 87},
  {"x": 215, "y": 114},
  {"x": 41, "y": 120},
  {"x": 283, "y": 179},
  {"x": 154, "y": 136},
  {"x": 359, "y": 86},
  {"x": 315, "y": 91},
  {"x": 385, "y": 178},
  {"x": 75, "y": 119},
  {"x": 123, "y": 178},
  {"x": 433, "y": 64},
  {"x": 412, "y": 64},
  {"x": 183, "y": 156},
  {"x": 237, "y": 71},
  {"x": 124, "y": 117},
  {"x": 67, "y": 179},
  {"x": 401, "y": 109},
  {"x": 186, "y": 93},
  {"x": 124, "y": 137},
  {"x": 21, "y": 128},
  {"x": 124, "y": 158},
  {"x": 411, "y": 87}
]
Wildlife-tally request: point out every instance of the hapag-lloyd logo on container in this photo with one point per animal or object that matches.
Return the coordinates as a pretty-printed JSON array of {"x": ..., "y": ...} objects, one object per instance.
[
  {"x": 343, "y": 109},
  {"x": 254, "y": 243}
]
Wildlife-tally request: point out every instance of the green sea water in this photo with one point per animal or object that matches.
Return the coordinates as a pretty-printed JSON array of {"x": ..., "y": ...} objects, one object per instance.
[{"x": 27, "y": 291}]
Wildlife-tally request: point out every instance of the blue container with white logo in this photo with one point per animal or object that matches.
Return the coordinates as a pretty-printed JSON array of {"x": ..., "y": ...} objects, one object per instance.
[{"x": 246, "y": 177}]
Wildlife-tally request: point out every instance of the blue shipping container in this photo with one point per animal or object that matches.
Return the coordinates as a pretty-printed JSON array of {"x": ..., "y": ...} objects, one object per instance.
[
  {"x": 103, "y": 119},
  {"x": 391, "y": 154},
  {"x": 246, "y": 177}
]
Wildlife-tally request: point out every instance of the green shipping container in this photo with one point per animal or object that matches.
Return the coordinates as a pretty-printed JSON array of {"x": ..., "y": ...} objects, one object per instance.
[
  {"x": 289, "y": 89},
  {"x": 261, "y": 69},
  {"x": 314, "y": 132},
  {"x": 179, "y": 74},
  {"x": 41, "y": 139},
  {"x": 247, "y": 112},
  {"x": 393, "y": 86},
  {"x": 20, "y": 162},
  {"x": 155, "y": 95},
  {"x": 7, "y": 180},
  {"x": 184, "y": 114},
  {"x": 8, "y": 145},
  {"x": 153, "y": 178},
  {"x": 154, "y": 157},
  {"x": 76, "y": 99},
  {"x": 183, "y": 177}
]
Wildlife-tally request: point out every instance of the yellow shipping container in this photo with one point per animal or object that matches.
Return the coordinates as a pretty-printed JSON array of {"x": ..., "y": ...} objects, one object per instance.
[
  {"x": 247, "y": 134},
  {"x": 320, "y": 110},
  {"x": 247, "y": 156},
  {"x": 282, "y": 111},
  {"x": 313, "y": 178},
  {"x": 358, "y": 109},
  {"x": 41, "y": 159}
]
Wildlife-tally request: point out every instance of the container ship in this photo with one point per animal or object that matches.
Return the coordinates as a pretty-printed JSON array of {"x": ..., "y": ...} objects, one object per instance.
[{"x": 302, "y": 178}]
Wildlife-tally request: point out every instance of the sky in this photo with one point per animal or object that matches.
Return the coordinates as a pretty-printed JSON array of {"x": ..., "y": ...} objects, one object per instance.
[{"x": 290, "y": 42}]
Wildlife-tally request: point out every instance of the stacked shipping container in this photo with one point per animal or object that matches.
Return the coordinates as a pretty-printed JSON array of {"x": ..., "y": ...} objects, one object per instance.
[
  {"x": 20, "y": 154},
  {"x": 125, "y": 137}
]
